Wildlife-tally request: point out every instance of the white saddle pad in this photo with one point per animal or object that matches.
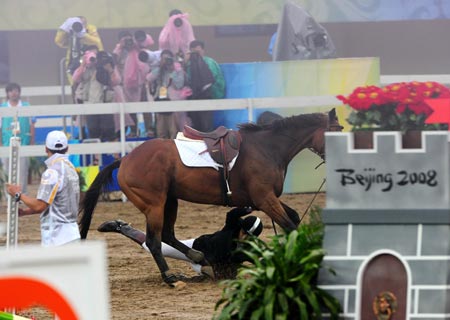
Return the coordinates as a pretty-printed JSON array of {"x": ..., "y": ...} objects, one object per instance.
[{"x": 194, "y": 153}]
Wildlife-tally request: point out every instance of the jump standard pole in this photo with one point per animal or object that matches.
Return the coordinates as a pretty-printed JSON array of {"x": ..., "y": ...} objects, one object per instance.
[{"x": 13, "y": 206}]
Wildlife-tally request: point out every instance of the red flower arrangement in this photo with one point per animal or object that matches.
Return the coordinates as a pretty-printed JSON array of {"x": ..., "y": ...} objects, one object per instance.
[{"x": 398, "y": 106}]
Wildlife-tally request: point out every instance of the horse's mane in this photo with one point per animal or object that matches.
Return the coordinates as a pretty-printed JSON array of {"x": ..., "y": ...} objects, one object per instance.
[{"x": 299, "y": 121}]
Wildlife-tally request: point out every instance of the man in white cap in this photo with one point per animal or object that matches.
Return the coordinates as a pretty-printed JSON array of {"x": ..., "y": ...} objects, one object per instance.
[{"x": 57, "y": 197}]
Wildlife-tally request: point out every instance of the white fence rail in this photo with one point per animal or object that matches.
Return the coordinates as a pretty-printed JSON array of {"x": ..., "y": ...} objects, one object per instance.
[
  {"x": 162, "y": 106},
  {"x": 442, "y": 78},
  {"x": 193, "y": 105}
]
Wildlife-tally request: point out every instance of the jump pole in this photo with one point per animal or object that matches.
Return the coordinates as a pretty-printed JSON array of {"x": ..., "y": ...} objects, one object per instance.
[{"x": 13, "y": 206}]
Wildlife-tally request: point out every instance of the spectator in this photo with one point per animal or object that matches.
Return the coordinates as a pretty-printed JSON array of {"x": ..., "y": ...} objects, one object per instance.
[
  {"x": 57, "y": 197},
  {"x": 207, "y": 82},
  {"x": 22, "y": 127},
  {"x": 166, "y": 83},
  {"x": 99, "y": 77},
  {"x": 219, "y": 248},
  {"x": 76, "y": 34},
  {"x": 122, "y": 48},
  {"x": 135, "y": 71},
  {"x": 177, "y": 34}
]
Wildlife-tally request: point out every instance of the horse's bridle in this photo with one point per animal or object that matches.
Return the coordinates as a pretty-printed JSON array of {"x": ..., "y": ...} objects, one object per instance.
[{"x": 330, "y": 127}]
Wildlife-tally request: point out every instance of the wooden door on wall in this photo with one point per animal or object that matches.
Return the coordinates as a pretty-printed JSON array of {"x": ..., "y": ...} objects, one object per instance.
[{"x": 384, "y": 289}]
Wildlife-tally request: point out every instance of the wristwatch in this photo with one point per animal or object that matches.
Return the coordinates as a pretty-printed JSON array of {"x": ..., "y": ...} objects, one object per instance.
[{"x": 17, "y": 196}]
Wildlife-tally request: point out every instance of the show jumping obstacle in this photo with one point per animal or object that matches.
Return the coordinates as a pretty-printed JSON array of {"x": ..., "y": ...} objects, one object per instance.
[{"x": 387, "y": 227}]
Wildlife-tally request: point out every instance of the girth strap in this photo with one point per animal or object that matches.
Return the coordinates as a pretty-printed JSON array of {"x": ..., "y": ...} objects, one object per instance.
[{"x": 223, "y": 145}]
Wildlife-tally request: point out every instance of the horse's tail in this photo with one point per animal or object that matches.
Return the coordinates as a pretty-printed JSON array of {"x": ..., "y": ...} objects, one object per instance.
[{"x": 103, "y": 179}]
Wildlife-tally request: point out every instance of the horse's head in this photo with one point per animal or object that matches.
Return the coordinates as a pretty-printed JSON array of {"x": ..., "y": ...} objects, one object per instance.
[{"x": 331, "y": 123}]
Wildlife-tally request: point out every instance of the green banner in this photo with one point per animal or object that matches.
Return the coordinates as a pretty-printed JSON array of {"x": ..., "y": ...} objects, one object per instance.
[{"x": 50, "y": 14}]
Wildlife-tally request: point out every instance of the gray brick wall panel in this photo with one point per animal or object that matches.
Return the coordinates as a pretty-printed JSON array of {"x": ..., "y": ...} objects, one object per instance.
[
  {"x": 436, "y": 240},
  {"x": 345, "y": 272},
  {"x": 429, "y": 272},
  {"x": 434, "y": 301},
  {"x": 368, "y": 238},
  {"x": 335, "y": 240}
]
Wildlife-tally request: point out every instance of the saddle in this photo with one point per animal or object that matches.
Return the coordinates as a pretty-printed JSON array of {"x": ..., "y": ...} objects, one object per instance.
[
  {"x": 223, "y": 146},
  {"x": 222, "y": 143}
]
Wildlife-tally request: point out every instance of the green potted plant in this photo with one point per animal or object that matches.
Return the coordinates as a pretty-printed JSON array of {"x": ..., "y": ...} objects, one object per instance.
[
  {"x": 396, "y": 107},
  {"x": 281, "y": 283}
]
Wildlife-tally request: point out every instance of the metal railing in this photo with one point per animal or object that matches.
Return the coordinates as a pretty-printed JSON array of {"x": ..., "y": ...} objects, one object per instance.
[{"x": 123, "y": 146}]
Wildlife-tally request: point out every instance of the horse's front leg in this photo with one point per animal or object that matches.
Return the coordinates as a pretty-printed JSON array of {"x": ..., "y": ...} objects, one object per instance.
[
  {"x": 284, "y": 216},
  {"x": 293, "y": 215}
]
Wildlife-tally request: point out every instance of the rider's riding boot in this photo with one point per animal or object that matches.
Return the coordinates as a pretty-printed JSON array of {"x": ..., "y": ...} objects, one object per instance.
[
  {"x": 112, "y": 226},
  {"x": 124, "y": 228}
]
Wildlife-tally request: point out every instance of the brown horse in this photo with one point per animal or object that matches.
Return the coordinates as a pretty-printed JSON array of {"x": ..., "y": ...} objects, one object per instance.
[{"x": 153, "y": 178}]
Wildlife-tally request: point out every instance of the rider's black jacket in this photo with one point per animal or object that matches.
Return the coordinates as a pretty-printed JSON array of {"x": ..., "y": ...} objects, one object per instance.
[{"x": 220, "y": 246}]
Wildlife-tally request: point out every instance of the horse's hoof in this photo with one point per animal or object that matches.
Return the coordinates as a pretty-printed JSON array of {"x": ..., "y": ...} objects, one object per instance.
[
  {"x": 174, "y": 280},
  {"x": 208, "y": 271}
]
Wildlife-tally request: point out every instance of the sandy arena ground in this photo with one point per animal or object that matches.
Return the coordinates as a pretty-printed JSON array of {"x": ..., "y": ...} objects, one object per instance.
[{"x": 136, "y": 288}]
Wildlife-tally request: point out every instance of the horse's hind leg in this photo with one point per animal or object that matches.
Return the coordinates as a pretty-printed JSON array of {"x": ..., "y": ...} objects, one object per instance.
[{"x": 155, "y": 221}]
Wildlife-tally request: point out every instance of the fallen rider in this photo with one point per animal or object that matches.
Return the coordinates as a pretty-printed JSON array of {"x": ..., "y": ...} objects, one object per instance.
[{"x": 219, "y": 248}]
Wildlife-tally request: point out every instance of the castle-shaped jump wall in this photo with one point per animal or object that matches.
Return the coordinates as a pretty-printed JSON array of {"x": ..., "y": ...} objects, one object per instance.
[{"x": 387, "y": 226}]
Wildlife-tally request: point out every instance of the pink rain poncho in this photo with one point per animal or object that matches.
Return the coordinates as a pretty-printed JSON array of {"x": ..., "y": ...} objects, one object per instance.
[
  {"x": 134, "y": 72},
  {"x": 175, "y": 38}
]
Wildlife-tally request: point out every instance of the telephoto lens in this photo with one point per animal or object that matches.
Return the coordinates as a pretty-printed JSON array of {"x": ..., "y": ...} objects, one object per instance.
[
  {"x": 143, "y": 56},
  {"x": 178, "y": 22},
  {"x": 77, "y": 27}
]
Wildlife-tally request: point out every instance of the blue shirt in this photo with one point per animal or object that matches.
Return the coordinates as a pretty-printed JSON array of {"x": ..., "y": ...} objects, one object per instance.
[{"x": 8, "y": 124}]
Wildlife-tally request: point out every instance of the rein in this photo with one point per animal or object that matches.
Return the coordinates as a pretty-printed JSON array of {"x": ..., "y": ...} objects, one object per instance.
[
  {"x": 309, "y": 205},
  {"x": 314, "y": 198}
]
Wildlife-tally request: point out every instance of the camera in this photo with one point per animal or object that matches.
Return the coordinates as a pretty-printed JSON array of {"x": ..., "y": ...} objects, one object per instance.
[
  {"x": 168, "y": 60},
  {"x": 140, "y": 36},
  {"x": 90, "y": 57},
  {"x": 77, "y": 27},
  {"x": 128, "y": 42},
  {"x": 103, "y": 58},
  {"x": 178, "y": 22}
]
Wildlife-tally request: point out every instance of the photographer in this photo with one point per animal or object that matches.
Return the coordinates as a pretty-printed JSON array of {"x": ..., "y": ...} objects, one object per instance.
[
  {"x": 207, "y": 82},
  {"x": 75, "y": 34},
  {"x": 98, "y": 77},
  {"x": 123, "y": 47},
  {"x": 166, "y": 82},
  {"x": 177, "y": 34},
  {"x": 132, "y": 70}
]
